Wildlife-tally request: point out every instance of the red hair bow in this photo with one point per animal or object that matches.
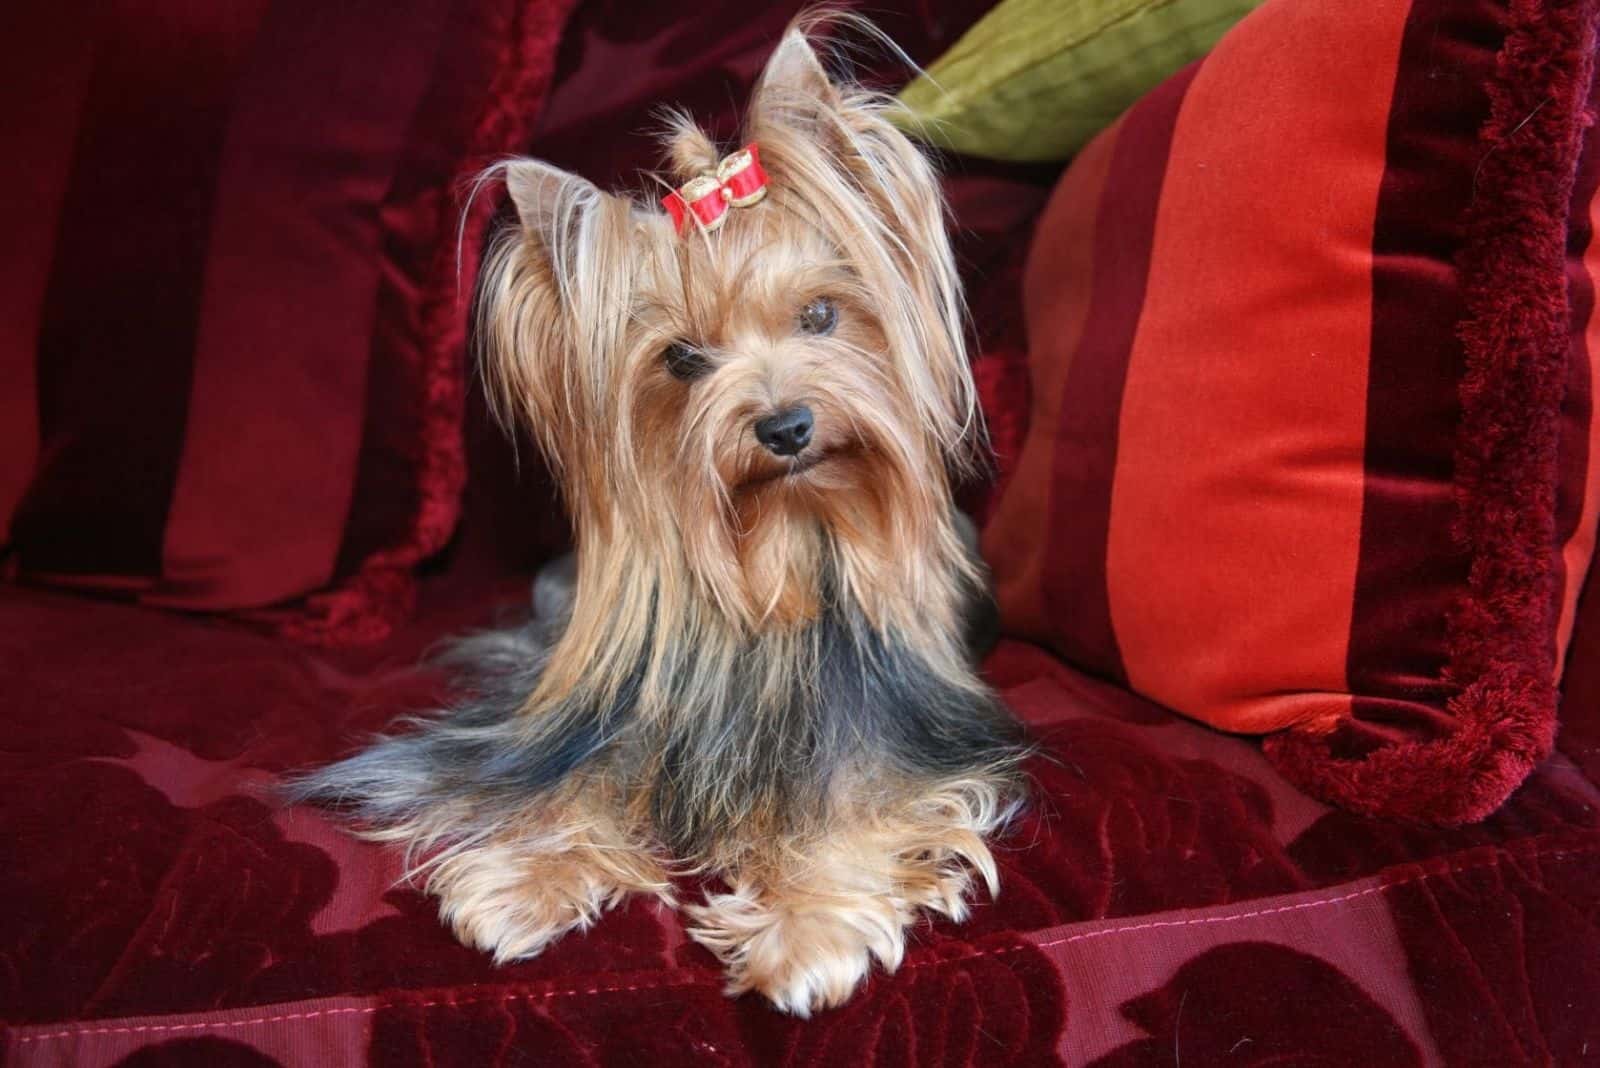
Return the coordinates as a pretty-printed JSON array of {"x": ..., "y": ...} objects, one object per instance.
[{"x": 737, "y": 182}]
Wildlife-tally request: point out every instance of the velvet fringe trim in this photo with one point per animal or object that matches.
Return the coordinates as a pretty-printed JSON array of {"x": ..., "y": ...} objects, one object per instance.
[{"x": 1515, "y": 333}]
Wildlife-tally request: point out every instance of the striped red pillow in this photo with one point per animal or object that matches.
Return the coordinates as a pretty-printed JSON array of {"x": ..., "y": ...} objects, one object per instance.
[
  {"x": 230, "y": 323},
  {"x": 1311, "y": 343}
]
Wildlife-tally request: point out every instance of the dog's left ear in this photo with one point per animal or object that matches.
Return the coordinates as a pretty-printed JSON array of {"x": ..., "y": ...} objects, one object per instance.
[
  {"x": 794, "y": 77},
  {"x": 836, "y": 159},
  {"x": 825, "y": 140}
]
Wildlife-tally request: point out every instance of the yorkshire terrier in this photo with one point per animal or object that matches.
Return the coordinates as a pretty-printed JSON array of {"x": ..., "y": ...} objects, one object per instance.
[{"x": 755, "y": 398}]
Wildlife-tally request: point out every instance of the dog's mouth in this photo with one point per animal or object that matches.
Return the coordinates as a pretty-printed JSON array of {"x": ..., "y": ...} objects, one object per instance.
[{"x": 790, "y": 469}]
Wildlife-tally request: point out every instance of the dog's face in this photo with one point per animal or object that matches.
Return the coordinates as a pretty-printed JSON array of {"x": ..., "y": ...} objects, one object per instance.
[{"x": 767, "y": 403}]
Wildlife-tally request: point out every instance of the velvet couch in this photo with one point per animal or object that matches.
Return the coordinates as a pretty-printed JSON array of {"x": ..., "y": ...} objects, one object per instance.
[{"x": 1167, "y": 899}]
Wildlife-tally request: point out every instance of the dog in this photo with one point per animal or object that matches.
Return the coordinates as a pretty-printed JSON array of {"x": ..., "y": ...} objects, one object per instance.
[{"x": 757, "y": 668}]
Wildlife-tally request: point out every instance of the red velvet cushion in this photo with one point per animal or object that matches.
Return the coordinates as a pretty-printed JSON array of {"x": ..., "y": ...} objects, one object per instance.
[
  {"x": 1166, "y": 891},
  {"x": 231, "y": 339},
  {"x": 1312, "y": 349}
]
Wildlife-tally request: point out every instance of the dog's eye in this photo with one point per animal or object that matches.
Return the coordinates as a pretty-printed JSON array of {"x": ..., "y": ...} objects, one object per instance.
[
  {"x": 684, "y": 361},
  {"x": 819, "y": 317}
]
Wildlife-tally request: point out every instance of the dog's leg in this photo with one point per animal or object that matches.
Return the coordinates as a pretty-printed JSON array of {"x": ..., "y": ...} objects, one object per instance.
[
  {"x": 803, "y": 924},
  {"x": 518, "y": 891}
]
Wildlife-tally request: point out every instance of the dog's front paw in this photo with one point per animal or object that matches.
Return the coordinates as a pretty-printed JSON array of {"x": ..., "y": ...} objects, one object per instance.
[
  {"x": 515, "y": 910},
  {"x": 513, "y": 899},
  {"x": 802, "y": 953}
]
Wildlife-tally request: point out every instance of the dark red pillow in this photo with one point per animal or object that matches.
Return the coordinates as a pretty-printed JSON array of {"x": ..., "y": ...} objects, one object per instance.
[
  {"x": 230, "y": 322},
  {"x": 1312, "y": 445}
]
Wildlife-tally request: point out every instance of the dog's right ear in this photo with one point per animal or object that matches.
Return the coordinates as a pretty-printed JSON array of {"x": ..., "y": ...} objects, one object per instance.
[
  {"x": 584, "y": 242},
  {"x": 554, "y": 301},
  {"x": 551, "y": 203}
]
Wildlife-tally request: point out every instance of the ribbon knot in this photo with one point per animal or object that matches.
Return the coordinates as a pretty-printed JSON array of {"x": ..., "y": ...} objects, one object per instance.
[{"x": 737, "y": 182}]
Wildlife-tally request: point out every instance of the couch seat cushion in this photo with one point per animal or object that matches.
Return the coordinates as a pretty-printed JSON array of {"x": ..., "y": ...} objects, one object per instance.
[{"x": 1168, "y": 891}]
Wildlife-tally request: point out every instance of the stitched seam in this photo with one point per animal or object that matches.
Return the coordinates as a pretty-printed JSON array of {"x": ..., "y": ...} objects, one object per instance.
[
  {"x": 710, "y": 979},
  {"x": 1296, "y": 907}
]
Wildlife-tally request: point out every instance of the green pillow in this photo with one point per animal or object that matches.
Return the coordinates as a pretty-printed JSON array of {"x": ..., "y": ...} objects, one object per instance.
[{"x": 1036, "y": 79}]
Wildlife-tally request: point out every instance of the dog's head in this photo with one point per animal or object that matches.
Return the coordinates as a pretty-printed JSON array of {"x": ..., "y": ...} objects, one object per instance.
[{"x": 760, "y": 405}]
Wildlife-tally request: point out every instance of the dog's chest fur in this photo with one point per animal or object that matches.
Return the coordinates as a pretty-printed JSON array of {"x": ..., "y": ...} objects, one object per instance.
[{"x": 726, "y": 752}]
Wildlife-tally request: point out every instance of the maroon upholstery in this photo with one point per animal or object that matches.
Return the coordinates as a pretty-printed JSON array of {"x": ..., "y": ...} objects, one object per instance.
[
  {"x": 1169, "y": 899},
  {"x": 1169, "y": 891},
  {"x": 233, "y": 326}
]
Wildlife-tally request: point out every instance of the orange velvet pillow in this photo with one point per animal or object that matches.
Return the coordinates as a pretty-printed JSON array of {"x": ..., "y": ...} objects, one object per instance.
[{"x": 1311, "y": 344}]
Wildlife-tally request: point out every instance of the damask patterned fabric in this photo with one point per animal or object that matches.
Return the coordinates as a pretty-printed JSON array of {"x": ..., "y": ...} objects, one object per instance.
[{"x": 1169, "y": 896}]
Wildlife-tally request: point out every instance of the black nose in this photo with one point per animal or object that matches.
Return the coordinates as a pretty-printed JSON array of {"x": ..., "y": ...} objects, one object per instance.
[{"x": 785, "y": 432}]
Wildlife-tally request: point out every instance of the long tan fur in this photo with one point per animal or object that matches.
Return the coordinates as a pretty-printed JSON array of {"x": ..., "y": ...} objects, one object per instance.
[{"x": 763, "y": 676}]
